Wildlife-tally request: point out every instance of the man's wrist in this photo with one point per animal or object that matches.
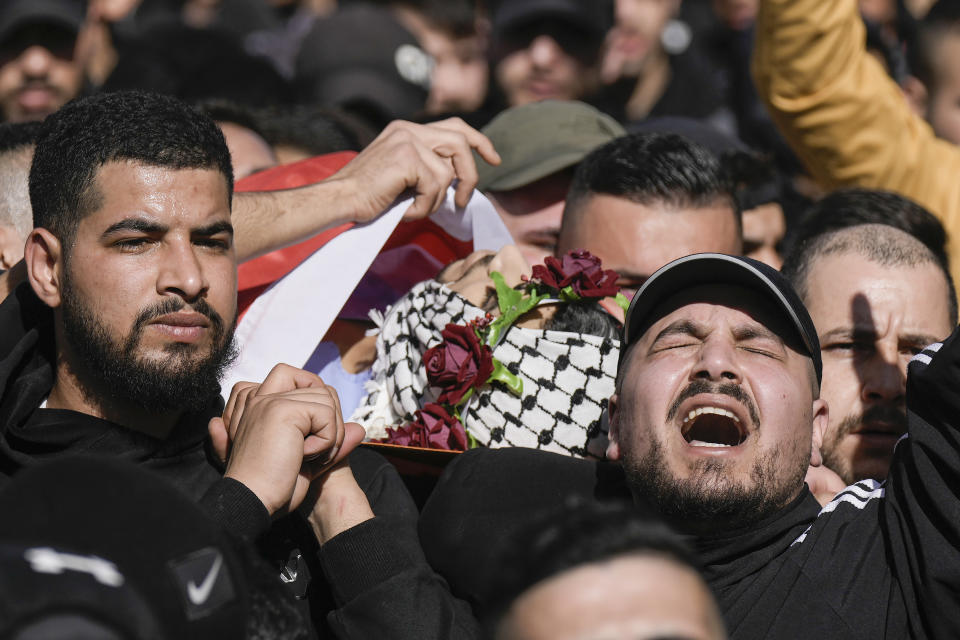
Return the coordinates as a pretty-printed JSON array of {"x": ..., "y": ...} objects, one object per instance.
[
  {"x": 339, "y": 504},
  {"x": 262, "y": 496}
]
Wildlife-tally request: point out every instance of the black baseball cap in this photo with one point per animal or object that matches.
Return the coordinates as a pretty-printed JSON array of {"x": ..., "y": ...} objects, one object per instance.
[
  {"x": 717, "y": 268},
  {"x": 592, "y": 16},
  {"x": 17, "y": 13},
  {"x": 361, "y": 55}
]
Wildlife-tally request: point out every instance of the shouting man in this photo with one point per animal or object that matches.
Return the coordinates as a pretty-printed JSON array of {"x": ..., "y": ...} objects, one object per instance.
[{"x": 716, "y": 418}]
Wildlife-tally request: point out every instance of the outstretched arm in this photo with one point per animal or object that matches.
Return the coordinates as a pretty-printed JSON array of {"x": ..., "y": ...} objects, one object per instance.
[
  {"x": 406, "y": 158},
  {"x": 841, "y": 113}
]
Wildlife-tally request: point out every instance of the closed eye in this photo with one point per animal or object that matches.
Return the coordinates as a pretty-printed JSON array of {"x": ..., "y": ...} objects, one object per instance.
[
  {"x": 673, "y": 343},
  {"x": 762, "y": 352}
]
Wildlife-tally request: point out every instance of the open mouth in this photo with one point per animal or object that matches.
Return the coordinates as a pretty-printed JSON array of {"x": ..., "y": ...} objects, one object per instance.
[{"x": 712, "y": 427}]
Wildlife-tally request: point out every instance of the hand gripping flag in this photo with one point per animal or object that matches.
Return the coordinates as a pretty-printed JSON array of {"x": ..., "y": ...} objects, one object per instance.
[{"x": 289, "y": 298}]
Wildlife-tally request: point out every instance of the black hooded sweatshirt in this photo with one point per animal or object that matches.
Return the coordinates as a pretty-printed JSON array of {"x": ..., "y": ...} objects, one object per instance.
[
  {"x": 370, "y": 581},
  {"x": 879, "y": 561}
]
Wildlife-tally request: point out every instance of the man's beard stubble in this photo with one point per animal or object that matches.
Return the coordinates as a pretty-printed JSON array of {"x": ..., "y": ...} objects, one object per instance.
[
  {"x": 837, "y": 462},
  {"x": 177, "y": 383},
  {"x": 709, "y": 496}
]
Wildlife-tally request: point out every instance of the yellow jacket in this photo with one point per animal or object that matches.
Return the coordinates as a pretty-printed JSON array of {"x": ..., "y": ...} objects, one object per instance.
[{"x": 842, "y": 114}]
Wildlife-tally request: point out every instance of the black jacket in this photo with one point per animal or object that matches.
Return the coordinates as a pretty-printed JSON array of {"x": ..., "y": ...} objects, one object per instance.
[
  {"x": 370, "y": 581},
  {"x": 879, "y": 561}
]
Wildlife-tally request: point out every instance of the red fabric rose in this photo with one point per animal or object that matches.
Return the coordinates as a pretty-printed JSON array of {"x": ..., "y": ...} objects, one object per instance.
[
  {"x": 433, "y": 428},
  {"x": 458, "y": 364},
  {"x": 579, "y": 270}
]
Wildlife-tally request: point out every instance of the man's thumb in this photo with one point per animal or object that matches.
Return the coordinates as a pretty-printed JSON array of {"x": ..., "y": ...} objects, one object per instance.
[{"x": 219, "y": 438}]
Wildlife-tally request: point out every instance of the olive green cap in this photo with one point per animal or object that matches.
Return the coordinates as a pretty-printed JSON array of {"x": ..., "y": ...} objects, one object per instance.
[{"x": 537, "y": 139}]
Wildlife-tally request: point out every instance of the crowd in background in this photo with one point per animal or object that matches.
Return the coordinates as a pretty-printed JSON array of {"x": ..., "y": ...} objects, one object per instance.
[{"x": 659, "y": 343}]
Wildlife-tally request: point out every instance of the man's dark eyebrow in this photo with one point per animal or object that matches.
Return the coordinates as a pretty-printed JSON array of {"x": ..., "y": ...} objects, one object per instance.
[
  {"x": 839, "y": 332},
  {"x": 213, "y": 229},
  {"x": 135, "y": 224},
  {"x": 680, "y": 327},
  {"x": 918, "y": 339},
  {"x": 749, "y": 332},
  {"x": 849, "y": 333},
  {"x": 863, "y": 333}
]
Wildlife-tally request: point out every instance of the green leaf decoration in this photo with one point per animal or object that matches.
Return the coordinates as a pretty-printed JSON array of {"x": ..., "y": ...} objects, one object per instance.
[
  {"x": 507, "y": 296},
  {"x": 622, "y": 301},
  {"x": 567, "y": 294},
  {"x": 503, "y": 375},
  {"x": 513, "y": 304},
  {"x": 463, "y": 401}
]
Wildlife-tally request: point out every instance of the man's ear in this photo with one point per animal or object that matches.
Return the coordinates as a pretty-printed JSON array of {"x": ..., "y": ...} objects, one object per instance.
[
  {"x": 821, "y": 416},
  {"x": 917, "y": 96},
  {"x": 44, "y": 259},
  {"x": 613, "y": 434}
]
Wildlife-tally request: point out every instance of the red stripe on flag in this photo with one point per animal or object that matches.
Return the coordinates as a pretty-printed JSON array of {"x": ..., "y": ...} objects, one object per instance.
[{"x": 257, "y": 274}]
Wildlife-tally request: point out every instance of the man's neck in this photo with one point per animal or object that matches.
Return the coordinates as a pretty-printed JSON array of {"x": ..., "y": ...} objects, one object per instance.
[
  {"x": 69, "y": 392},
  {"x": 710, "y": 527},
  {"x": 651, "y": 85}
]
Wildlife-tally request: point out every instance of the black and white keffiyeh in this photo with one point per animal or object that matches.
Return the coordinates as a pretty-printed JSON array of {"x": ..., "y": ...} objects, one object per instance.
[{"x": 567, "y": 379}]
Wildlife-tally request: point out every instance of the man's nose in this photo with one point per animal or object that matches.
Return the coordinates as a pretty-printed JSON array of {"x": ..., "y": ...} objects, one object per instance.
[
  {"x": 717, "y": 361},
  {"x": 35, "y": 61},
  {"x": 883, "y": 377},
  {"x": 182, "y": 273},
  {"x": 544, "y": 51}
]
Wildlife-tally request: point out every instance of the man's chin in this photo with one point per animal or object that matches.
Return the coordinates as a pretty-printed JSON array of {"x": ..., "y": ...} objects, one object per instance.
[{"x": 874, "y": 468}]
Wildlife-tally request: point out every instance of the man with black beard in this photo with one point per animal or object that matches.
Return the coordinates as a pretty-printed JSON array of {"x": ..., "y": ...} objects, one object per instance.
[
  {"x": 127, "y": 317},
  {"x": 115, "y": 344},
  {"x": 716, "y": 417}
]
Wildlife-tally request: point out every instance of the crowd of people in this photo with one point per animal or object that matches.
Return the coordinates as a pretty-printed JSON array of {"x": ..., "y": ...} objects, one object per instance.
[{"x": 506, "y": 319}]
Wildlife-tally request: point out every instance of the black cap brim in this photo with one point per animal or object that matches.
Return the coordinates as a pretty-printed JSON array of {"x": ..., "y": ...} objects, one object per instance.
[
  {"x": 717, "y": 268},
  {"x": 66, "y": 14}
]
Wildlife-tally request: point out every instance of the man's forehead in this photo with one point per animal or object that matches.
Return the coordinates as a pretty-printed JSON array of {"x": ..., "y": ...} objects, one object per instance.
[
  {"x": 128, "y": 187},
  {"x": 706, "y": 304},
  {"x": 849, "y": 286},
  {"x": 147, "y": 177}
]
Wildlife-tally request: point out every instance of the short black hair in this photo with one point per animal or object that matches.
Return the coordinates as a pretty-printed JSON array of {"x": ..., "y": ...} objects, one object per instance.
[
  {"x": 15, "y": 136},
  {"x": 849, "y": 207},
  {"x": 89, "y": 132},
  {"x": 457, "y": 18},
  {"x": 649, "y": 168},
  {"x": 923, "y": 47},
  {"x": 316, "y": 130},
  {"x": 228, "y": 111},
  {"x": 585, "y": 317},
  {"x": 196, "y": 64},
  {"x": 818, "y": 235},
  {"x": 573, "y": 535}
]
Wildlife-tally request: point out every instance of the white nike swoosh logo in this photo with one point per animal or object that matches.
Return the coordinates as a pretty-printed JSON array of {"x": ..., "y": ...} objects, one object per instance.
[{"x": 199, "y": 594}]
